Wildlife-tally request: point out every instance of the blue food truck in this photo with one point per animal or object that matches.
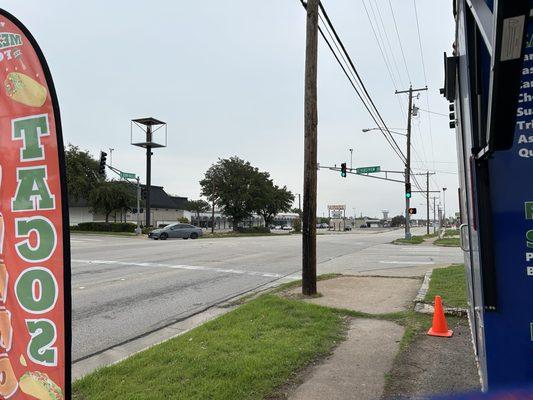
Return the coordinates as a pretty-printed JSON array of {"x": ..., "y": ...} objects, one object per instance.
[{"x": 489, "y": 83}]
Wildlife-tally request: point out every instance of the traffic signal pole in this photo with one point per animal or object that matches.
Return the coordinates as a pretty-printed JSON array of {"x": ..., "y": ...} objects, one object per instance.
[
  {"x": 408, "y": 159},
  {"x": 310, "y": 152},
  {"x": 148, "y": 173}
]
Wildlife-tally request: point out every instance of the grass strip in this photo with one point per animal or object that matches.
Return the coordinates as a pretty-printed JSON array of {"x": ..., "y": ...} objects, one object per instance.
[
  {"x": 451, "y": 232},
  {"x": 245, "y": 354},
  {"x": 413, "y": 240},
  {"x": 447, "y": 242},
  {"x": 450, "y": 284},
  {"x": 102, "y": 233},
  {"x": 238, "y": 234}
]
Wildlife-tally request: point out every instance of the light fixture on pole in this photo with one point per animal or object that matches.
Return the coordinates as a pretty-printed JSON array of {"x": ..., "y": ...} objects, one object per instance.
[{"x": 146, "y": 125}]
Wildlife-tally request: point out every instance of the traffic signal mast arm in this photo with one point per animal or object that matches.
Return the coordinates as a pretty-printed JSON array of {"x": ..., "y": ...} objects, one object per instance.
[{"x": 351, "y": 171}]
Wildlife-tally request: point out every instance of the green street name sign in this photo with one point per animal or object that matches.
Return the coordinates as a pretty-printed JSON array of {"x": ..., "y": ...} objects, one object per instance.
[
  {"x": 127, "y": 175},
  {"x": 367, "y": 170}
]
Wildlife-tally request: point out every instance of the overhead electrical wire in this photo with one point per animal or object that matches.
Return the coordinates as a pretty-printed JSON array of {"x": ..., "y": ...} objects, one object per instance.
[
  {"x": 383, "y": 126},
  {"x": 399, "y": 41},
  {"x": 425, "y": 78},
  {"x": 362, "y": 92}
]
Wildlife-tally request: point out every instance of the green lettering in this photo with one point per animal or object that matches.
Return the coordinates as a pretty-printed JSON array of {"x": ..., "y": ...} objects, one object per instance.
[
  {"x": 15, "y": 39},
  {"x": 32, "y": 186},
  {"x": 529, "y": 209},
  {"x": 46, "y": 238},
  {"x": 36, "y": 290},
  {"x": 43, "y": 336},
  {"x": 529, "y": 237},
  {"x": 30, "y": 131}
]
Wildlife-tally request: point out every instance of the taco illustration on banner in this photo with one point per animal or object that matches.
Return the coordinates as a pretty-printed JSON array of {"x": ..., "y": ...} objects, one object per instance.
[
  {"x": 25, "y": 90},
  {"x": 40, "y": 386}
]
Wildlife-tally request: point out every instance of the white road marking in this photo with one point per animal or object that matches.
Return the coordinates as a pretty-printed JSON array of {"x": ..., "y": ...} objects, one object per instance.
[
  {"x": 408, "y": 262},
  {"x": 183, "y": 267}
]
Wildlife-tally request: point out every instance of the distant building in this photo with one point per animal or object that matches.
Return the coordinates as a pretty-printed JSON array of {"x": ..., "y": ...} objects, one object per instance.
[{"x": 165, "y": 209}]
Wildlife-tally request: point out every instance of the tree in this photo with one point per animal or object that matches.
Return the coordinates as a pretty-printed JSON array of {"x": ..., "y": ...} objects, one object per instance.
[
  {"x": 197, "y": 206},
  {"x": 82, "y": 172},
  {"x": 398, "y": 220},
  {"x": 233, "y": 184},
  {"x": 107, "y": 197},
  {"x": 271, "y": 200}
]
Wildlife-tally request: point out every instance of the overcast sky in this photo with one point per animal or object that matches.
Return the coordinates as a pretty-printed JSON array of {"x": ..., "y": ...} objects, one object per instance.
[{"x": 227, "y": 77}]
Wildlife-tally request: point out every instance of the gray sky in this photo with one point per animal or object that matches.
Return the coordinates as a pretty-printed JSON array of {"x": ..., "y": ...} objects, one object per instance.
[{"x": 227, "y": 77}]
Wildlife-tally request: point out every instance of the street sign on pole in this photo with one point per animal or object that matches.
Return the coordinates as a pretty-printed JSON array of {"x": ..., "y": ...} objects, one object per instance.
[
  {"x": 368, "y": 170},
  {"x": 127, "y": 175}
]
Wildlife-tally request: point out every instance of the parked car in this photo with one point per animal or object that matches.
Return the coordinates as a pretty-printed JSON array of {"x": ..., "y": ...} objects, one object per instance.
[
  {"x": 287, "y": 228},
  {"x": 347, "y": 228},
  {"x": 184, "y": 231},
  {"x": 277, "y": 227},
  {"x": 363, "y": 226},
  {"x": 323, "y": 225}
]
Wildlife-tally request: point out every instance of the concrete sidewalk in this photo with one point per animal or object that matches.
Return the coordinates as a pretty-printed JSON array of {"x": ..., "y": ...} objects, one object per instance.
[{"x": 357, "y": 367}]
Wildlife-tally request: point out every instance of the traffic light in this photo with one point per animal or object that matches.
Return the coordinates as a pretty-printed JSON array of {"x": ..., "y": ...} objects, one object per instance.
[
  {"x": 407, "y": 190},
  {"x": 143, "y": 193},
  {"x": 103, "y": 159},
  {"x": 343, "y": 170},
  {"x": 452, "y": 115},
  {"x": 412, "y": 211}
]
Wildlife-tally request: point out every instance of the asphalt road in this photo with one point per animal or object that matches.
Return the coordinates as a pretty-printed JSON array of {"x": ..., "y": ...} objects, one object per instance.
[{"x": 124, "y": 287}]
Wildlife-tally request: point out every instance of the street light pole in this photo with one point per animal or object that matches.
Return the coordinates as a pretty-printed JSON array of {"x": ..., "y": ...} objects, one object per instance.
[
  {"x": 111, "y": 156},
  {"x": 351, "y": 159},
  {"x": 444, "y": 208}
]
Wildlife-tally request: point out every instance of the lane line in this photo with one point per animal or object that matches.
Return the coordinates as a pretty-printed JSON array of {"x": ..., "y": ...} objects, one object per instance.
[
  {"x": 182, "y": 267},
  {"x": 409, "y": 262}
]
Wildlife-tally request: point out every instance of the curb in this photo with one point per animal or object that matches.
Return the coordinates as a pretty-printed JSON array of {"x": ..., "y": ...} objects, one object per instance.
[{"x": 424, "y": 307}]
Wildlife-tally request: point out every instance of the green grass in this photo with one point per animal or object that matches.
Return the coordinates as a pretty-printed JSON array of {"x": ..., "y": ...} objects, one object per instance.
[
  {"x": 245, "y": 354},
  {"x": 430, "y": 236},
  {"x": 447, "y": 242},
  {"x": 238, "y": 234},
  {"x": 102, "y": 233},
  {"x": 450, "y": 284},
  {"x": 413, "y": 240},
  {"x": 451, "y": 232}
]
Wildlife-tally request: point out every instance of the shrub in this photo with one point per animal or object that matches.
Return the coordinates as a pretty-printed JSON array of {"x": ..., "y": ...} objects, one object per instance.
[
  {"x": 297, "y": 225},
  {"x": 254, "y": 229},
  {"x": 104, "y": 227},
  {"x": 183, "y": 220}
]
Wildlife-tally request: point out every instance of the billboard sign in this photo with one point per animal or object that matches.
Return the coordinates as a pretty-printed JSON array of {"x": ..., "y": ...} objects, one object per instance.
[{"x": 34, "y": 238}]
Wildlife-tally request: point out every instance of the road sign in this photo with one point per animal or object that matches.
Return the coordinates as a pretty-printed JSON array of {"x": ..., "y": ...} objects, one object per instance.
[
  {"x": 35, "y": 306},
  {"x": 368, "y": 170},
  {"x": 127, "y": 175},
  {"x": 412, "y": 210}
]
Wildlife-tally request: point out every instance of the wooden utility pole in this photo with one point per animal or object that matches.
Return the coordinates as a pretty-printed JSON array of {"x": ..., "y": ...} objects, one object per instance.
[
  {"x": 408, "y": 157},
  {"x": 310, "y": 152}
]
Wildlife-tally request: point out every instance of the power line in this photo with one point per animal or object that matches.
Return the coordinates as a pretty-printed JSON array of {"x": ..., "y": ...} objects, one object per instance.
[
  {"x": 383, "y": 124},
  {"x": 397, "y": 151},
  {"x": 425, "y": 79},
  {"x": 389, "y": 44},
  {"x": 399, "y": 41}
]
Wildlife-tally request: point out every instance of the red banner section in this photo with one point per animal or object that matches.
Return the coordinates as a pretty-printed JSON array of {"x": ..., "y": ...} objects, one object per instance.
[{"x": 34, "y": 252}]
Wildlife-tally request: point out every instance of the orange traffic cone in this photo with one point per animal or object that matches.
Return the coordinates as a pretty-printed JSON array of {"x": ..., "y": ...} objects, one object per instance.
[{"x": 440, "y": 327}]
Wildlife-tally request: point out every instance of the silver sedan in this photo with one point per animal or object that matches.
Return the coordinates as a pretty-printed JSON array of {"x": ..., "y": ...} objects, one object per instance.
[{"x": 184, "y": 231}]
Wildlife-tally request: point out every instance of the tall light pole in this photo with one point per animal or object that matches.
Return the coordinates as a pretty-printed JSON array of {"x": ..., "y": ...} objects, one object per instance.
[
  {"x": 111, "y": 156},
  {"x": 147, "y": 126},
  {"x": 444, "y": 210},
  {"x": 351, "y": 159}
]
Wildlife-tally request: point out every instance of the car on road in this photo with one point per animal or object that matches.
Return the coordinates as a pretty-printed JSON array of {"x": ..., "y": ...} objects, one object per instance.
[{"x": 184, "y": 231}]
